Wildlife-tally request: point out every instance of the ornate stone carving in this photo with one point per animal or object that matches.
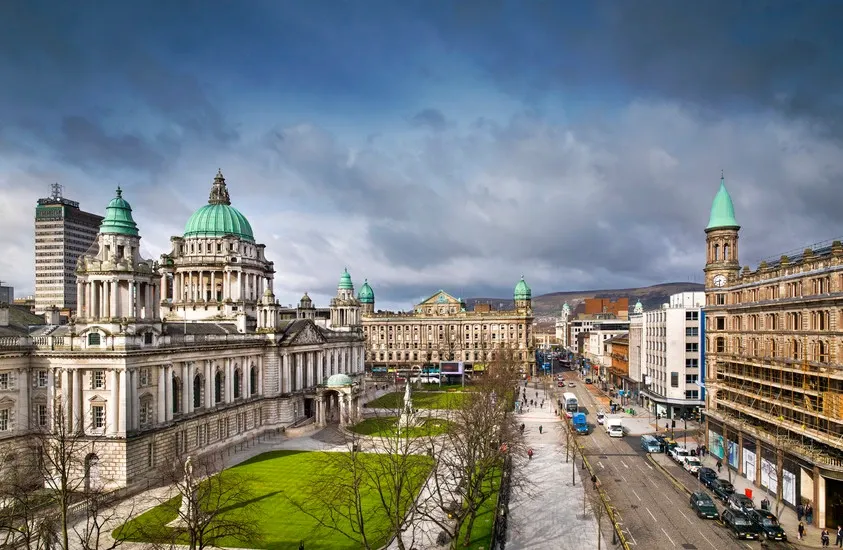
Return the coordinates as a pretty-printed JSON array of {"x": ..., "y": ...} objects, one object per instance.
[{"x": 309, "y": 335}]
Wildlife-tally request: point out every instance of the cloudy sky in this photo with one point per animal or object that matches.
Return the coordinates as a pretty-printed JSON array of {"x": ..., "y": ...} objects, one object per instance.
[{"x": 431, "y": 145}]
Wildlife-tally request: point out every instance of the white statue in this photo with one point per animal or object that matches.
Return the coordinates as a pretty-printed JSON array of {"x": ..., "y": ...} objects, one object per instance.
[
  {"x": 188, "y": 471},
  {"x": 408, "y": 402}
]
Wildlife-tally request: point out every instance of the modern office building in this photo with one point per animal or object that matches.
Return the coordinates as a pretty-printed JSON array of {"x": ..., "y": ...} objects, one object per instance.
[
  {"x": 672, "y": 356},
  {"x": 775, "y": 382},
  {"x": 63, "y": 233},
  {"x": 441, "y": 328},
  {"x": 7, "y": 294}
]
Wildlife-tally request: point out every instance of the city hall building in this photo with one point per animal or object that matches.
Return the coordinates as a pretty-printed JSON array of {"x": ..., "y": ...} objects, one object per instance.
[
  {"x": 774, "y": 379},
  {"x": 183, "y": 356}
]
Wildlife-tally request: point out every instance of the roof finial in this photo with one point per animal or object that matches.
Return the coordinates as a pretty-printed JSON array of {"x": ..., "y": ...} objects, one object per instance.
[
  {"x": 119, "y": 192},
  {"x": 721, "y": 175},
  {"x": 219, "y": 192}
]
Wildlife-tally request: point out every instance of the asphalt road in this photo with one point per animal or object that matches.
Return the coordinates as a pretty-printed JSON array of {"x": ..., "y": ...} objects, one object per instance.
[{"x": 654, "y": 512}]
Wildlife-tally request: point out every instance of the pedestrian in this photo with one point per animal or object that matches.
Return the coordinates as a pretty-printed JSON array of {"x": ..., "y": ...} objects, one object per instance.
[
  {"x": 825, "y": 538},
  {"x": 809, "y": 513},
  {"x": 839, "y": 541},
  {"x": 800, "y": 511},
  {"x": 540, "y": 430},
  {"x": 800, "y": 530},
  {"x": 719, "y": 466},
  {"x": 537, "y": 395},
  {"x": 530, "y": 453}
]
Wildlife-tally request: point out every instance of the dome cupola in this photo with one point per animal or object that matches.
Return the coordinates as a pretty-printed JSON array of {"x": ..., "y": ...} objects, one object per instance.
[
  {"x": 722, "y": 209},
  {"x": 366, "y": 294},
  {"x": 345, "y": 281},
  {"x": 522, "y": 291},
  {"x": 218, "y": 218},
  {"x": 118, "y": 217}
]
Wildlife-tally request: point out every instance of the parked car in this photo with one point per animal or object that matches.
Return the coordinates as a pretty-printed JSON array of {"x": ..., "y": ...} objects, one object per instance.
[
  {"x": 739, "y": 525},
  {"x": 722, "y": 489},
  {"x": 706, "y": 476},
  {"x": 691, "y": 464},
  {"x": 679, "y": 453},
  {"x": 740, "y": 503},
  {"x": 702, "y": 504},
  {"x": 588, "y": 380},
  {"x": 768, "y": 524},
  {"x": 560, "y": 384},
  {"x": 662, "y": 441}
]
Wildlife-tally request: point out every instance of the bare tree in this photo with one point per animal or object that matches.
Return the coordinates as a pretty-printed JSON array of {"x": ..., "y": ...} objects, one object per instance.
[
  {"x": 102, "y": 515},
  {"x": 595, "y": 500},
  {"x": 389, "y": 465},
  {"x": 209, "y": 506},
  {"x": 25, "y": 519},
  {"x": 481, "y": 435}
]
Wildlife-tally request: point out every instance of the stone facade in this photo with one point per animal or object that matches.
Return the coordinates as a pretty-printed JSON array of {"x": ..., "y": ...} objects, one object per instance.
[
  {"x": 441, "y": 329},
  {"x": 774, "y": 380},
  {"x": 182, "y": 357}
]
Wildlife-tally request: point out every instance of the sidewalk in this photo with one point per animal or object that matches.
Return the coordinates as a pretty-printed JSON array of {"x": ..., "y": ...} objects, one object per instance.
[
  {"x": 547, "y": 514},
  {"x": 787, "y": 518}
]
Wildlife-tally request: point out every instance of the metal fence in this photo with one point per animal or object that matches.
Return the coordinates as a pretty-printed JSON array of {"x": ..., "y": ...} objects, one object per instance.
[{"x": 502, "y": 511}]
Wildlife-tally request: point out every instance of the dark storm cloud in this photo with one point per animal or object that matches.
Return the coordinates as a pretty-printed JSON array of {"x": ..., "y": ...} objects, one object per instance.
[
  {"x": 84, "y": 143},
  {"x": 432, "y": 118}
]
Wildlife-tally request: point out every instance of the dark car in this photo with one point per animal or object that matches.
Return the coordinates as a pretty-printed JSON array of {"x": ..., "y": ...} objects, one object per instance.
[
  {"x": 740, "y": 525},
  {"x": 740, "y": 503},
  {"x": 702, "y": 504},
  {"x": 706, "y": 476},
  {"x": 767, "y": 524},
  {"x": 662, "y": 441},
  {"x": 722, "y": 489}
]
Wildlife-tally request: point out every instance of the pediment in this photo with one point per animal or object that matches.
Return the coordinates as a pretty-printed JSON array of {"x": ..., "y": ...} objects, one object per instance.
[
  {"x": 440, "y": 298},
  {"x": 308, "y": 335}
]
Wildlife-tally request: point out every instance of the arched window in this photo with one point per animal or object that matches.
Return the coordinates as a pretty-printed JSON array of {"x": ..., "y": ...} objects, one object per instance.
[
  {"x": 237, "y": 384},
  {"x": 716, "y": 255},
  {"x": 92, "y": 473},
  {"x": 333, "y": 364},
  {"x": 253, "y": 380},
  {"x": 720, "y": 345},
  {"x": 94, "y": 339},
  {"x": 197, "y": 391},
  {"x": 822, "y": 351},
  {"x": 773, "y": 348},
  {"x": 794, "y": 349},
  {"x": 726, "y": 250},
  {"x": 218, "y": 387},
  {"x": 177, "y": 392}
]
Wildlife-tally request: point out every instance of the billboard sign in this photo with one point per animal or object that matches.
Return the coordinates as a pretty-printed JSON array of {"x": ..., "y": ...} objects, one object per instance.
[{"x": 451, "y": 367}]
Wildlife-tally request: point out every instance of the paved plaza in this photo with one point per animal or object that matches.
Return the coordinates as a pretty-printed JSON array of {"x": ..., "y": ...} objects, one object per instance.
[{"x": 548, "y": 513}]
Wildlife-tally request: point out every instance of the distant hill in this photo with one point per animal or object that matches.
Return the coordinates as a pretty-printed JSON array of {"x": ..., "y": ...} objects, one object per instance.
[{"x": 547, "y": 307}]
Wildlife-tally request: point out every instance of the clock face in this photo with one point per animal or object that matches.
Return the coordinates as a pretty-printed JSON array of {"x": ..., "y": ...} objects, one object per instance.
[{"x": 719, "y": 280}]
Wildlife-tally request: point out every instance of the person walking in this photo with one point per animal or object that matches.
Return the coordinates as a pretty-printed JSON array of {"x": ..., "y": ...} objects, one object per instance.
[
  {"x": 800, "y": 531},
  {"x": 719, "y": 466},
  {"x": 839, "y": 541},
  {"x": 540, "y": 429},
  {"x": 809, "y": 513},
  {"x": 800, "y": 511},
  {"x": 824, "y": 537}
]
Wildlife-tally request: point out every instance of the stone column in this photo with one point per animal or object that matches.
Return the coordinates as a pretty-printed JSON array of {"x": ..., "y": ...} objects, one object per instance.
[
  {"x": 156, "y": 302},
  {"x": 247, "y": 377},
  {"x": 80, "y": 298},
  {"x": 23, "y": 400},
  {"x": 162, "y": 394},
  {"x": 213, "y": 286},
  {"x": 168, "y": 384},
  {"x": 239, "y": 285},
  {"x": 123, "y": 403},
  {"x": 187, "y": 388},
  {"x": 134, "y": 402},
  {"x": 51, "y": 397},
  {"x": 137, "y": 302},
  {"x": 66, "y": 400},
  {"x": 111, "y": 414},
  {"x": 260, "y": 375},
  {"x": 209, "y": 384},
  {"x": 164, "y": 285},
  {"x": 78, "y": 413},
  {"x": 284, "y": 379},
  {"x": 229, "y": 381}
]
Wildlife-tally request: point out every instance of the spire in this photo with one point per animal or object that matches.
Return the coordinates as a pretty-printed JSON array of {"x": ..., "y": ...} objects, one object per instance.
[
  {"x": 219, "y": 192},
  {"x": 722, "y": 209}
]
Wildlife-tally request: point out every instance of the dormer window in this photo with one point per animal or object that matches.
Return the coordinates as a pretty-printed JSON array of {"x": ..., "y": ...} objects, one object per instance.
[
  {"x": 120, "y": 251},
  {"x": 94, "y": 339}
]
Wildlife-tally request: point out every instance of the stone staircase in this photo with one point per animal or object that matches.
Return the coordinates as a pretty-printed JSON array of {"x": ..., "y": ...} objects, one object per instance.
[{"x": 332, "y": 435}]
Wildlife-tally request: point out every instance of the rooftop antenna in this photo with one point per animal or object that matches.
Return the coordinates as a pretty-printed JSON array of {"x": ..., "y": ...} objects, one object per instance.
[{"x": 57, "y": 189}]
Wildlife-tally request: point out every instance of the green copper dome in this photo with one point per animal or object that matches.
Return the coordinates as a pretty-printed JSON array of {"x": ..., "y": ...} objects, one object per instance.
[
  {"x": 218, "y": 218},
  {"x": 722, "y": 209},
  {"x": 522, "y": 291},
  {"x": 345, "y": 281},
  {"x": 118, "y": 217},
  {"x": 366, "y": 294}
]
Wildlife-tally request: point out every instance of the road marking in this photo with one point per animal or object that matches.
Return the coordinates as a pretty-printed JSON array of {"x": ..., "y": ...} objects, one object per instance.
[
  {"x": 708, "y": 541},
  {"x": 668, "y": 536},
  {"x": 600, "y": 464},
  {"x": 686, "y": 517},
  {"x": 628, "y": 532},
  {"x": 650, "y": 467},
  {"x": 636, "y": 494},
  {"x": 651, "y": 514},
  {"x": 625, "y": 465},
  {"x": 624, "y": 479}
]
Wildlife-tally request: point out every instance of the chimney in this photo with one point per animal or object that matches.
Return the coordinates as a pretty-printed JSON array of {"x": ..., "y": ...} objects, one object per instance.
[
  {"x": 52, "y": 316},
  {"x": 4, "y": 315}
]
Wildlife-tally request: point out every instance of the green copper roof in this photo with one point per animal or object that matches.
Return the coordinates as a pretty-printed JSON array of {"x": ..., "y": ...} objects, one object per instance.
[
  {"x": 522, "y": 291},
  {"x": 366, "y": 294},
  {"x": 218, "y": 218},
  {"x": 722, "y": 210},
  {"x": 345, "y": 281},
  {"x": 118, "y": 217}
]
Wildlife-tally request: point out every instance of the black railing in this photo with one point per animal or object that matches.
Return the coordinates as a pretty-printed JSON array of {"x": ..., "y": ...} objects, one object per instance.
[{"x": 502, "y": 510}]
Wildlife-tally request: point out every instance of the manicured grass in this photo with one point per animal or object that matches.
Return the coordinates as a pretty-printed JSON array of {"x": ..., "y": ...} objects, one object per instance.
[
  {"x": 421, "y": 400},
  {"x": 481, "y": 531},
  {"x": 387, "y": 427},
  {"x": 275, "y": 478}
]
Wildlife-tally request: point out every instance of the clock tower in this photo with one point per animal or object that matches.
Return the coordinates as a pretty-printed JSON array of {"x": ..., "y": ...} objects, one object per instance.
[{"x": 721, "y": 238}]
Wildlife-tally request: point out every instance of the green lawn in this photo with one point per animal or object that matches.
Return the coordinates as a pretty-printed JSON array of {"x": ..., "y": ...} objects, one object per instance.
[
  {"x": 386, "y": 427},
  {"x": 275, "y": 478},
  {"x": 421, "y": 400},
  {"x": 481, "y": 531}
]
